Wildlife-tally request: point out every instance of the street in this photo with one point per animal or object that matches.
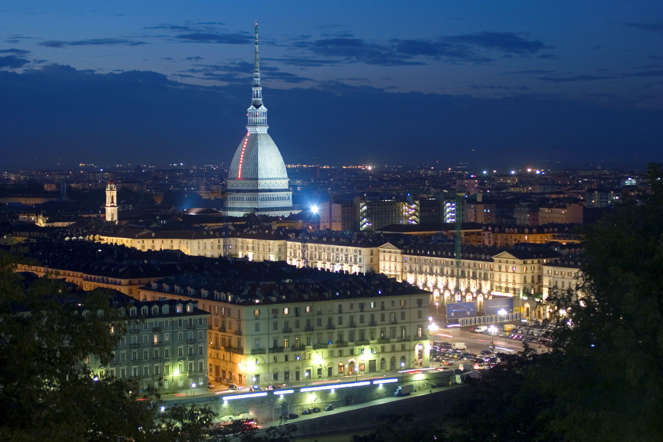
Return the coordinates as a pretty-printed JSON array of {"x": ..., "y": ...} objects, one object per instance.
[{"x": 476, "y": 342}]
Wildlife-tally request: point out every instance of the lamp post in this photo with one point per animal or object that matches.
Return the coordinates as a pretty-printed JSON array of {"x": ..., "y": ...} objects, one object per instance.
[{"x": 492, "y": 330}]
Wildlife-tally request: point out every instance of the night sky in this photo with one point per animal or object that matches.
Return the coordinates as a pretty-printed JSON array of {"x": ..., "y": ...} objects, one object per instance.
[{"x": 496, "y": 84}]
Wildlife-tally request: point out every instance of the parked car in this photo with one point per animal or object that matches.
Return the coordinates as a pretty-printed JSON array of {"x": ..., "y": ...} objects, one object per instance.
[
  {"x": 329, "y": 407},
  {"x": 255, "y": 388},
  {"x": 232, "y": 387},
  {"x": 293, "y": 416},
  {"x": 403, "y": 390}
]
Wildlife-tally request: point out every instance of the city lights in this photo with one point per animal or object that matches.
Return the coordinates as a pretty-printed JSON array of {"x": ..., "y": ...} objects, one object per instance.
[{"x": 335, "y": 386}]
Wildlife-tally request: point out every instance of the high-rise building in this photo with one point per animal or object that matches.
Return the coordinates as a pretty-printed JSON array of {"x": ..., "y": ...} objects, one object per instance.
[
  {"x": 449, "y": 215},
  {"x": 111, "y": 203},
  {"x": 257, "y": 180}
]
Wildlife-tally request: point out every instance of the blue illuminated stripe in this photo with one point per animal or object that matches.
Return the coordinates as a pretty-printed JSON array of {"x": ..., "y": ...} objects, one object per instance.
[
  {"x": 385, "y": 381},
  {"x": 244, "y": 396},
  {"x": 283, "y": 391},
  {"x": 335, "y": 386}
]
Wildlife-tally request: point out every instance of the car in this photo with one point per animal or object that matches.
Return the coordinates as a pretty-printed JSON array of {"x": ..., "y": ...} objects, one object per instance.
[
  {"x": 292, "y": 416},
  {"x": 486, "y": 352},
  {"x": 255, "y": 388},
  {"x": 306, "y": 411},
  {"x": 329, "y": 407},
  {"x": 315, "y": 410},
  {"x": 232, "y": 387}
]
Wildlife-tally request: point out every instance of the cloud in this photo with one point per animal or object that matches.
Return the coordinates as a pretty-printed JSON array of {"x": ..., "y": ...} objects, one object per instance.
[
  {"x": 14, "y": 51},
  {"x": 533, "y": 71},
  {"x": 303, "y": 61},
  {"x": 651, "y": 27},
  {"x": 357, "y": 50},
  {"x": 12, "y": 62},
  {"x": 239, "y": 73},
  {"x": 91, "y": 42},
  {"x": 438, "y": 49},
  {"x": 496, "y": 87},
  {"x": 177, "y": 28},
  {"x": 15, "y": 38},
  {"x": 473, "y": 48},
  {"x": 219, "y": 38},
  {"x": 506, "y": 42},
  {"x": 649, "y": 73},
  {"x": 573, "y": 78},
  {"x": 194, "y": 58},
  {"x": 198, "y": 117}
]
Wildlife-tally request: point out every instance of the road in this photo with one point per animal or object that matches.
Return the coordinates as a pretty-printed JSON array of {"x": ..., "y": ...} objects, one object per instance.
[{"x": 477, "y": 341}]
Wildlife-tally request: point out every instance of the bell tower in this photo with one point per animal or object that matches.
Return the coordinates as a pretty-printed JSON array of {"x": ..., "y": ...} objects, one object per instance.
[{"x": 111, "y": 202}]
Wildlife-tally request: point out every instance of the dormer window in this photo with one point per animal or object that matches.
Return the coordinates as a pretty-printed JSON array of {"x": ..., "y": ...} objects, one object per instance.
[
  {"x": 155, "y": 310},
  {"x": 164, "y": 309},
  {"x": 133, "y": 311},
  {"x": 178, "y": 308},
  {"x": 144, "y": 311},
  {"x": 189, "y": 308}
]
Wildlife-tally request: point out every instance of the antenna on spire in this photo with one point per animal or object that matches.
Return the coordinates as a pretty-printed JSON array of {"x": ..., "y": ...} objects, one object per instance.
[{"x": 256, "y": 68}]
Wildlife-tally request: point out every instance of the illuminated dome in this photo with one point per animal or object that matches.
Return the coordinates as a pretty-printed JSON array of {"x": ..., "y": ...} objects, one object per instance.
[
  {"x": 257, "y": 158},
  {"x": 257, "y": 179}
]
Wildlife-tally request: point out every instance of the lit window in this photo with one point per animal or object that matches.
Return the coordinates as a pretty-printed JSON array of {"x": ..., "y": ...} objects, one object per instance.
[{"x": 285, "y": 310}]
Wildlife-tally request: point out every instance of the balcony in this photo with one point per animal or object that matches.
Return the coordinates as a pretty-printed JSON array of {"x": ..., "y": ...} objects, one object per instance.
[
  {"x": 330, "y": 327},
  {"x": 319, "y": 346},
  {"x": 287, "y": 330},
  {"x": 372, "y": 323},
  {"x": 308, "y": 328},
  {"x": 258, "y": 351},
  {"x": 276, "y": 349},
  {"x": 362, "y": 342},
  {"x": 239, "y": 350}
]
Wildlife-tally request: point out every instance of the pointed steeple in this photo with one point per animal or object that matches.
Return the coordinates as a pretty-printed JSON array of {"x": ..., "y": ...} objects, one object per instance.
[
  {"x": 256, "y": 65},
  {"x": 257, "y": 112}
]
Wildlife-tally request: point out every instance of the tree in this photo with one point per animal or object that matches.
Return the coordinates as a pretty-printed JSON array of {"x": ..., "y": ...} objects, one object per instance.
[
  {"x": 603, "y": 379},
  {"x": 47, "y": 392}
]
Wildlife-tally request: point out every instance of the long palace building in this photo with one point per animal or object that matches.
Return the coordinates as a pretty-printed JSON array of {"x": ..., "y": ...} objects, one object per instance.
[{"x": 526, "y": 273}]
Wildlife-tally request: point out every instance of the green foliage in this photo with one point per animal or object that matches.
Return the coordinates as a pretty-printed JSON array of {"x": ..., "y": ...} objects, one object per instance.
[
  {"x": 47, "y": 391},
  {"x": 603, "y": 379}
]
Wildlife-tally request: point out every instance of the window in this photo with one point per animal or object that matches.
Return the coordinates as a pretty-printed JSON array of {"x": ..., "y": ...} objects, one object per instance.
[
  {"x": 256, "y": 313},
  {"x": 285, "y": 310}
]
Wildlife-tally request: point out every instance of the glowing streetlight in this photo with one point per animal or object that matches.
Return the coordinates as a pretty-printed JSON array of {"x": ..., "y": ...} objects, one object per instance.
[
  {"x": 315, "y": 209},
  {"x": 492, "y": 330}
]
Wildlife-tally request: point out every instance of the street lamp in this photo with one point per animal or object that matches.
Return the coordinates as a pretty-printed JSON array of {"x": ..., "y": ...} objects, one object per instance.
[{"x": 492, "y": 330}]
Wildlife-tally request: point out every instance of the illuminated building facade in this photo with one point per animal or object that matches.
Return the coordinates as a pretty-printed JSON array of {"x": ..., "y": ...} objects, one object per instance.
[
  {"x": 257, "y": 179},
  {"x": 307, "y": 336},
  {"x": 481, "y": 273},
  {"x": 164, "y": 346},
  {"x": 375, "y": 214},
  {"x": 111, "y": 203}
]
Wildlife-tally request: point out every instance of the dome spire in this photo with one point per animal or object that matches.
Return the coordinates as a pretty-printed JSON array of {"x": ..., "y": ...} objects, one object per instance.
[
  {"x": 257, "y": 112},
  {"x": 256, "y": 66}
]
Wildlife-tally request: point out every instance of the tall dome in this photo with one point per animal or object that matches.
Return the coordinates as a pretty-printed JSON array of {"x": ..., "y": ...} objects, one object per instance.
[{"x": 257, "y": 179}]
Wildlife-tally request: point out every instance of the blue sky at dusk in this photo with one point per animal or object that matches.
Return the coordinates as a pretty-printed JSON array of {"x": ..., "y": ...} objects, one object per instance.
[{"x": 487, "y": 82}]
